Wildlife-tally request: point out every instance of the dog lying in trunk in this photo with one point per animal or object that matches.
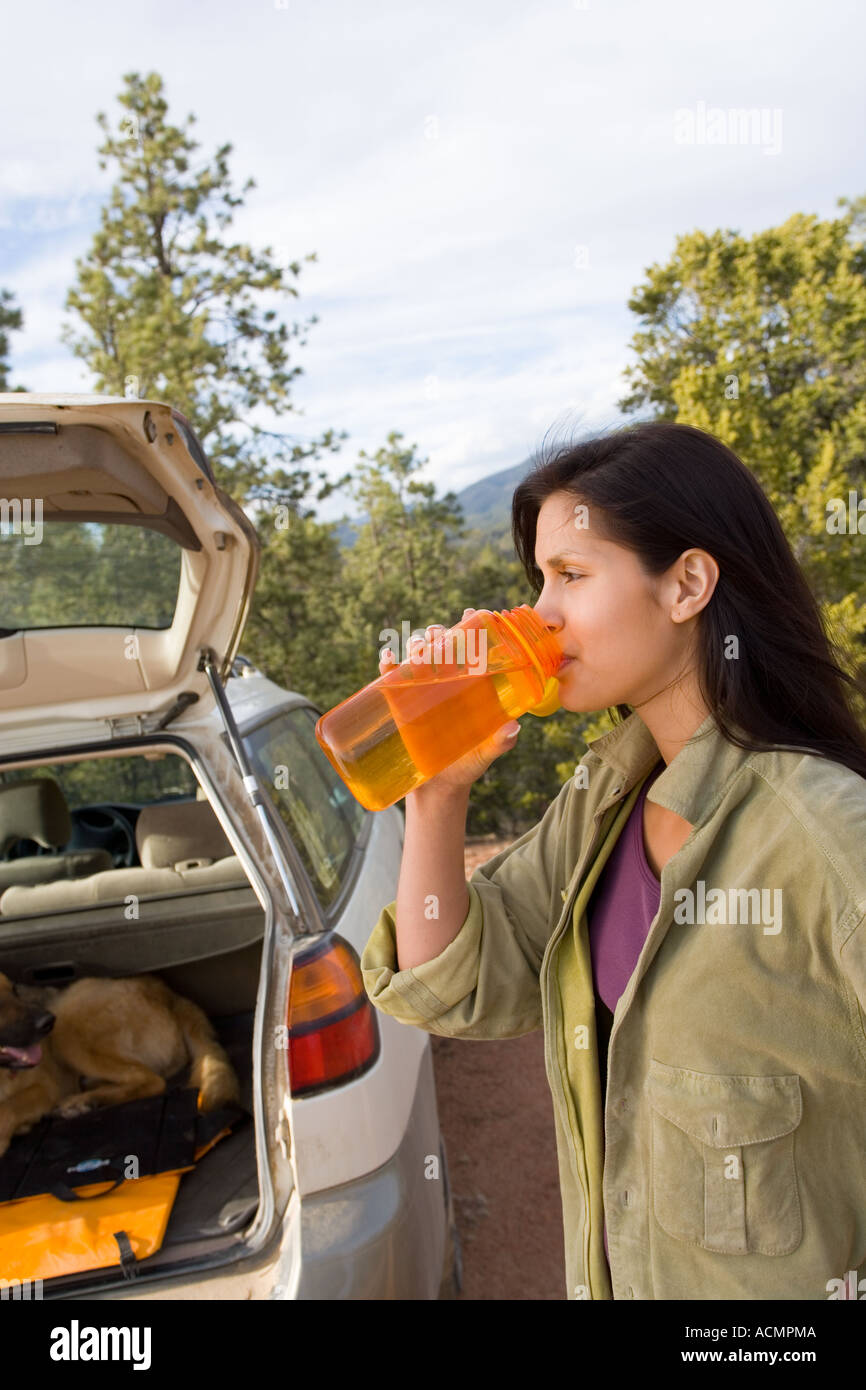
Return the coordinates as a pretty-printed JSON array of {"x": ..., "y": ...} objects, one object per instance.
[{"x": 121, "y": 1038}]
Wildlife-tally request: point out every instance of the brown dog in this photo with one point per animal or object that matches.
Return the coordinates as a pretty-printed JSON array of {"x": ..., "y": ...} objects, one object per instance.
[{"x": 122, "y": 1038}]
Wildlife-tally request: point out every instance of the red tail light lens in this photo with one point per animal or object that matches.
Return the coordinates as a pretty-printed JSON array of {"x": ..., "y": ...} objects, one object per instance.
[{"x": 333, "y": 1030}]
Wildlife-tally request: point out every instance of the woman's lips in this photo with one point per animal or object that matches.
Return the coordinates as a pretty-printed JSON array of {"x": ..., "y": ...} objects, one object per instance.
[{"x": 566, "y": 661}]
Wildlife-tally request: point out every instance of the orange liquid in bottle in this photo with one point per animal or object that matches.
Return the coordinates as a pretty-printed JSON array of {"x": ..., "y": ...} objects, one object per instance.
[{"x": 420, "y": 717}]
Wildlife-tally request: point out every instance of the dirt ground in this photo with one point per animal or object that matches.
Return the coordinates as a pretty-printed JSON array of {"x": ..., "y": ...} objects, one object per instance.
[{"x": 496, "y": 1114}]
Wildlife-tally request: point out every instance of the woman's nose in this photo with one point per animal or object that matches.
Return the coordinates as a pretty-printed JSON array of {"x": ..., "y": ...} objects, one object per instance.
[{"x": 553, "y": 621}]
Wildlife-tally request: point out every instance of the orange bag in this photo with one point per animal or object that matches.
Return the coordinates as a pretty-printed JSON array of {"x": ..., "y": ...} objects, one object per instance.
[
  {"x": 41, "y": 1237},
  {"x": 105, "y": 1224}
]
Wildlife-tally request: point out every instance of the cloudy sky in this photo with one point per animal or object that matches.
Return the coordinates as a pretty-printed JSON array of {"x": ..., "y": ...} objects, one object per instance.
[{"x": 484, "y": 182}]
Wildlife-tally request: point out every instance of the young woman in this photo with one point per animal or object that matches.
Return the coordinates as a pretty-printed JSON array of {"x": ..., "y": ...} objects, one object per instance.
[{"x": 688, "y": 920}]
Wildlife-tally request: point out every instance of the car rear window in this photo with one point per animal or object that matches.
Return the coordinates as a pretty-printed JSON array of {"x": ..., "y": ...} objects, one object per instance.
[
  {"x": 85, "y": 574},
  {"x": 137, "y": 779}
]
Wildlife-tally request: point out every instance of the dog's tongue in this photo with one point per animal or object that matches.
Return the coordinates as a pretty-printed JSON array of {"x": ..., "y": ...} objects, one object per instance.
[{"x": 27, "y": 1056}]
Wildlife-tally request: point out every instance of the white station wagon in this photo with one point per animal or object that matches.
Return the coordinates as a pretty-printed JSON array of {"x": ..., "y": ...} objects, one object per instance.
[{"x": 166, "y": 809}]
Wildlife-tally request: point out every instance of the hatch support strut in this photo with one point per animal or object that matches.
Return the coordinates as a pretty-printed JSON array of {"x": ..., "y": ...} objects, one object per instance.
[{"x": 207, "y": 663}]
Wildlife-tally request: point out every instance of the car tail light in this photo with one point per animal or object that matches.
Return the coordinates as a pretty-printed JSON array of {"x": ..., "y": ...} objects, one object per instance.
[{"x": 332, "y": 1026}]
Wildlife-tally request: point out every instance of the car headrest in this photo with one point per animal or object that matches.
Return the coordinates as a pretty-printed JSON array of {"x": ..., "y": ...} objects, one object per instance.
[
  {"x": 179, "y": 831},
  {"x": 34, "y": 809}
]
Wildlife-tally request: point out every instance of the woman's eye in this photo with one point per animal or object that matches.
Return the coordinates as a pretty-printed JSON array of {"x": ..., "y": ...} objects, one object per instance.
[{"x": 570, "y": 574}]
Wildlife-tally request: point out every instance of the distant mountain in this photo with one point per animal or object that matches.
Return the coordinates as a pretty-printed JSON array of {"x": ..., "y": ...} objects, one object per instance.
[
  {"x": 345, "y": 533},
  {"x": 486, "y": 504}
]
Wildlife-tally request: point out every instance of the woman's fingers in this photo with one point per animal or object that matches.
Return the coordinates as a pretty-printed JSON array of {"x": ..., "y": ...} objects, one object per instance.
[
  {"x": 387, "y": 659},
  {"x": 415, "y": 647},
  {"x": 417, "y": 644}
]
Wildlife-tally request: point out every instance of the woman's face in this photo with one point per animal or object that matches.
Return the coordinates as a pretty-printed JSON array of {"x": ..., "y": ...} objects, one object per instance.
[{"x": 612, "y": 619}]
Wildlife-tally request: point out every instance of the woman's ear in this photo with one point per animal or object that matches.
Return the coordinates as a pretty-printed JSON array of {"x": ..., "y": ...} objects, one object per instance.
[{"x": 696, "y": 575}]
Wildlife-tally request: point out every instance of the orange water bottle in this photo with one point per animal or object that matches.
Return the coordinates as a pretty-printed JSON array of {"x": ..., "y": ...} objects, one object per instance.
[{"x": 421, "y": 716}]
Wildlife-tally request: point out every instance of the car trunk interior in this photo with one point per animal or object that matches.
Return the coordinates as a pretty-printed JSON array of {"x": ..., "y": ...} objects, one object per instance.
[{"x": 205, "y": 942}]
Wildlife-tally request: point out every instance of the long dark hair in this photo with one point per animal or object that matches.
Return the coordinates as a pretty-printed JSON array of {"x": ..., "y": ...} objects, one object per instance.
[{"x": 661, "y": 488}]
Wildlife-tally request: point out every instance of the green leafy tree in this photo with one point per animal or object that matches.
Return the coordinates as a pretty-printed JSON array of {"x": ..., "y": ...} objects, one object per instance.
[
  {"x": 759, "y": 340},
  {"x": 11, "y": 320},
  {"x": 294, "y": 632},
  {"x": 171, "y": 307},
  {"x": 401, "y": 567}
]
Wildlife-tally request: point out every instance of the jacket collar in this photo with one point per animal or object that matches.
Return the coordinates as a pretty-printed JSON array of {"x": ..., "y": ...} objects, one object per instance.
[{"x": 692, "y": 784}]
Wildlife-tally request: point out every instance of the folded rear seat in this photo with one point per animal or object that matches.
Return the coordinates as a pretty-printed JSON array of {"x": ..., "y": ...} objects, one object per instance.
[{"x": 182, "y": 847}]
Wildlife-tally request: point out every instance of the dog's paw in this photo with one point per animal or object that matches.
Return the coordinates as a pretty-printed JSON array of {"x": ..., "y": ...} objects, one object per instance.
[{"x": 73, "y": 1105}]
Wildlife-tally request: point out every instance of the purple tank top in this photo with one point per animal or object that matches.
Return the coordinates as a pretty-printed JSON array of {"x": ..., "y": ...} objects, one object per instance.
[{"x": 623, "y": 904}]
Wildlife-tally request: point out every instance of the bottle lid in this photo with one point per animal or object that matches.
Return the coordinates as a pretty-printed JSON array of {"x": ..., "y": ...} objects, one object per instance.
[{"x": 534, "y": 637}]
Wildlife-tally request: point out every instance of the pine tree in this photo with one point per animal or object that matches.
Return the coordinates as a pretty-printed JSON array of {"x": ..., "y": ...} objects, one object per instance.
[{"x": 172, "y": 308}]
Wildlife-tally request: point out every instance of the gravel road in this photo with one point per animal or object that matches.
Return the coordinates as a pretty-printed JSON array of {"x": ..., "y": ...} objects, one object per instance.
[{"x": 496, "y": 1113}]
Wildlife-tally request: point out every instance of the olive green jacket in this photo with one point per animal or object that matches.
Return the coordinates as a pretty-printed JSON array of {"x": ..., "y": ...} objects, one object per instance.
[{"x": 728, "y": 1157}]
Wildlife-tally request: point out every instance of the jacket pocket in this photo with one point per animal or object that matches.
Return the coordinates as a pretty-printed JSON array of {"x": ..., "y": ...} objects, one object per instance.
[{"x": 722, "y": 1172}]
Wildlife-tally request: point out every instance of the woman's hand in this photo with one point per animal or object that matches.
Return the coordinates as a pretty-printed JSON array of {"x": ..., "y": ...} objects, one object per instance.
[{"x": 459, "y": 776}]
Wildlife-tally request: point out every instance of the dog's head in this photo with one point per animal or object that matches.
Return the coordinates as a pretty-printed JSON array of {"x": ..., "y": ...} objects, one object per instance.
[{"x": 22, "y": 1024}]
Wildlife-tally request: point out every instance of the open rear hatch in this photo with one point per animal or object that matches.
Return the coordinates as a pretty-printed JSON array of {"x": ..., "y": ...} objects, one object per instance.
[
  {"x": 120, "y": 559},
  {"x": 126, "y": 576}
]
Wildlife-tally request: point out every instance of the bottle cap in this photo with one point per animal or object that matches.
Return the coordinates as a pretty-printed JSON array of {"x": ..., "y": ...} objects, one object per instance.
[{"x": 533, "y": 636}]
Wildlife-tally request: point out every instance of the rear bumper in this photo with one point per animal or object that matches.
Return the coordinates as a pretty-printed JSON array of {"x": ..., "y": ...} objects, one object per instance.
[
  {"x": 385, "y": 1235},
  {"x": 382, "y": 1236}
]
